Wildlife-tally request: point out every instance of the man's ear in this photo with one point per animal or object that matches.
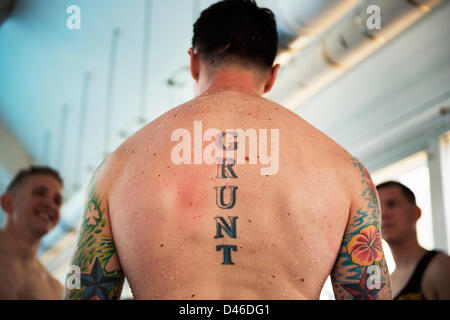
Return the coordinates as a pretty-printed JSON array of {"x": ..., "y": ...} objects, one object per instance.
[
  {"x": 6, "y": 202},
  {"x": 271, "y": 80},
  {"x": 195, "y": 64},
  {"x": 417, "y": 212}
]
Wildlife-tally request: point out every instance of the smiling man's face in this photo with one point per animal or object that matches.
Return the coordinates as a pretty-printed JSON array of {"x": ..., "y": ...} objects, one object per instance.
[{"x": 37, "y": 204}]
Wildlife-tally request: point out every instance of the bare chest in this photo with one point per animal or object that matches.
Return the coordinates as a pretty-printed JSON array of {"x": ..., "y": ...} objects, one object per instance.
[{"x": 18, "y": 282}]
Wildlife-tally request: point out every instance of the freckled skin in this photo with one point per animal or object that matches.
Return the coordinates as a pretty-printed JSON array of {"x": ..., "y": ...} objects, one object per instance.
[{"x": 283, "y": 224}]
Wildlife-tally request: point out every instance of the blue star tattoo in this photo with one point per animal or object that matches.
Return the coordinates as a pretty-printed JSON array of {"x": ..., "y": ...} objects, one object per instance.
[
  {"x": 97, "y": 284},
  {"x": 360, "y": 291}
]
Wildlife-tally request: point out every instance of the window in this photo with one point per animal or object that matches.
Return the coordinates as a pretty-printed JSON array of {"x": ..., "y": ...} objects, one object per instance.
[{"x": 445, "y": 148}]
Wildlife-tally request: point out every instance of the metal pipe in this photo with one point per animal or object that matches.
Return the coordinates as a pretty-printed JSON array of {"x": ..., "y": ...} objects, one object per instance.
[
  {"x": 300, "y": 21},
  {"x": 345, "y": 45}
]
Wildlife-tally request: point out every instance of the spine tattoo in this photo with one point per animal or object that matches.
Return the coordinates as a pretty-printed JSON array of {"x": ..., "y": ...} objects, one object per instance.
[{"x": 225, "y": 171}]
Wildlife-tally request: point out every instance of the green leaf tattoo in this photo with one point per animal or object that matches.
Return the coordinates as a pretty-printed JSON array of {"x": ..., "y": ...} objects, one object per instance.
[{"x": 93, "y": 252}]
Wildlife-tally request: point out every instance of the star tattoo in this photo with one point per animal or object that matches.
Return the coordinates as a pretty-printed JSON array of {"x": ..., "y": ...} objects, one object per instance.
[
  {"x": 97, "y": 284},
  {"x": 360, "y": 291}
]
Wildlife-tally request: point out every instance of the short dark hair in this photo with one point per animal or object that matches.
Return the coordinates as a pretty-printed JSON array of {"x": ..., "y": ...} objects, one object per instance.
[
  {"x": 237, "y": 29},
  {"x": 23, "y": 174},
  {"x": 405, "y": 190}
]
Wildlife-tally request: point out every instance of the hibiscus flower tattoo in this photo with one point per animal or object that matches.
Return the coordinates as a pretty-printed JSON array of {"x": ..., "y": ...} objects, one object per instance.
[{"x": 365, "y": 248}]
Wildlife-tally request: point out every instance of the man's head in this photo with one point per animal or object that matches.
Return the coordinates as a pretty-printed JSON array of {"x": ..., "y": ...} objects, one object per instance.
[
  {"x": 235, "y": 33},
  {"x": 33, "y": 199},
  {"x": 399, "y": 212}
]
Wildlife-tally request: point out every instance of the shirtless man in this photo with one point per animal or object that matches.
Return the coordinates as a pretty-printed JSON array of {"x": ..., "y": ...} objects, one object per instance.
[
  {"x": 419, "y": 274},
  {"x": 32, "y": 204},
  {"x": 230, "y": 230}
]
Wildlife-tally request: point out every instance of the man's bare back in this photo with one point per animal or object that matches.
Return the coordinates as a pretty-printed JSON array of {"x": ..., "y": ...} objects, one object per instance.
[
  {"x": 289, "y": 226},
  {"x": 241, "y": 229}
]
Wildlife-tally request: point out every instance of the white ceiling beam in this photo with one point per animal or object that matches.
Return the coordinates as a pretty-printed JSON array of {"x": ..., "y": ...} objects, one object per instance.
[{"x": 435, "y": 158}]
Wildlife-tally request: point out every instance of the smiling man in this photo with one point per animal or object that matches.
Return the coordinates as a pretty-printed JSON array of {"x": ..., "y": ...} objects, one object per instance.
[{"x": 32, "y": 205}]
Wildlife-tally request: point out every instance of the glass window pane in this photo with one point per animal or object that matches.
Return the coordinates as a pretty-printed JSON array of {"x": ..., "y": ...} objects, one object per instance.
[{"x": 445, "y": 145}]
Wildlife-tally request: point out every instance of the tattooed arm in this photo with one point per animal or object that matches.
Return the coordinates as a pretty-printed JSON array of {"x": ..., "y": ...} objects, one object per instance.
[
  {"x": 101, "y": 276},
  {"x": 360, "y": 271}
]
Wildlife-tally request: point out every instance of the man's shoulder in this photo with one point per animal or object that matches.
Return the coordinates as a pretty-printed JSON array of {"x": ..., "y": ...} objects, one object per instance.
[
  {"x": 437, "y": 274},
  {"x": 439, "y": 265},
  {"x": 51, "y": 280},
  {"x": 8, "y": 265},
  {"x": 155, "y": 137},
  {"x": 7, "y": 261},
  {"x": 11, "y": 276},
  {"x": 145, "y": 145}
]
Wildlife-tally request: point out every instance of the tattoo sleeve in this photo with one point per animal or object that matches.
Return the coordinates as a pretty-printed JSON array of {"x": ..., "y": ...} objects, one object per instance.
[
  {"x": 100, "y": 276},
  {"x": 360, "y": 271}
]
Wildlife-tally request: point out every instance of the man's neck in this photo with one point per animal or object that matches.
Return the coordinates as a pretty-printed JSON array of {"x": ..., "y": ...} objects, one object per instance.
[
  {"x": 407, "y": 253},
  {"x": 20, "y": 244},
  {"x": 234, "y": 80}
]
